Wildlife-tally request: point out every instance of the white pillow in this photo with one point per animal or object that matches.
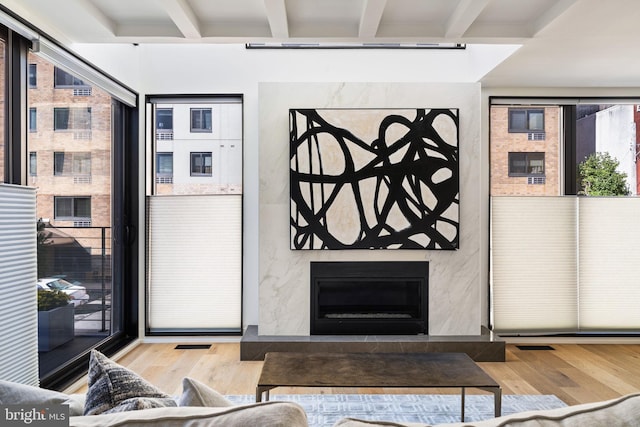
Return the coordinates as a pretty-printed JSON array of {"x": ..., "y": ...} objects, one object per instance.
[{"x": 195, "y": 393}]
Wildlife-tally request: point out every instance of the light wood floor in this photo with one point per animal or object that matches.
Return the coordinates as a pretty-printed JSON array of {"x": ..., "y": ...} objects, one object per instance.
[{"x": 574, "y": 373}]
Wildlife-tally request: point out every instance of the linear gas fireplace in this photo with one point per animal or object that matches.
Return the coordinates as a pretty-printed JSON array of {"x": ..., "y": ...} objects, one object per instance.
[{"x": 368, "y": 298}]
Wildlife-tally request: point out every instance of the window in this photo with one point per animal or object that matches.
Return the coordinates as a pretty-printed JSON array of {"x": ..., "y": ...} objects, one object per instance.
[
  {"x": 64, "y": 80},
  {"x": 71, "y": 164},
  {"x": 526, "y": 164},
  {"x": 164, "y": 167},
  {"x": 526, "y": 120},
  {"x": 164, "y": 119},
  {"x": 33, "y": 120},
  {"x": 33, "y": 76},
  {"x": 72, "y": 208},
  {"x": 201, "y": 120},
  {"x": 199, "y": 194},
  {"x": 164, "y": 124},
  {"x": 72, "y": 118},
  {"x": 201, "y": 164},
  {"x": 33, "y": 163}
]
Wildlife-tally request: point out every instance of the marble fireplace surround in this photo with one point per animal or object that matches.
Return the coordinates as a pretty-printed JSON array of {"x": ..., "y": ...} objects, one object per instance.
[{"x": 454, "y": 276}]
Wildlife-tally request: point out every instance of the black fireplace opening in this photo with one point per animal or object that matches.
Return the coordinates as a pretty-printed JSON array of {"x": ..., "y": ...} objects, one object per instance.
[{"x": 356, "y": 298}]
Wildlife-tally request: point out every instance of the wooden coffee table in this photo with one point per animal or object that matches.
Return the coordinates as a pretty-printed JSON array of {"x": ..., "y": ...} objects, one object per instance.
[{"x": 375, "y": 370}]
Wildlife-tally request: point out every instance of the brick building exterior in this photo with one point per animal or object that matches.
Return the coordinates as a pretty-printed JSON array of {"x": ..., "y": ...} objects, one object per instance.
[
  {"x": 69, "y": 146},
  {"x": 525, "y": 161}
]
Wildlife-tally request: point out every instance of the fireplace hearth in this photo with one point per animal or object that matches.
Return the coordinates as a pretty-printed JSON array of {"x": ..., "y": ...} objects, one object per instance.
[{"x": 355, "y": 298}]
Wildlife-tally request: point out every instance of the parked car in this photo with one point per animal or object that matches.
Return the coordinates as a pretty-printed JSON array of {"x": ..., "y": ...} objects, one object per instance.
[{"x": 78, "y": 294}]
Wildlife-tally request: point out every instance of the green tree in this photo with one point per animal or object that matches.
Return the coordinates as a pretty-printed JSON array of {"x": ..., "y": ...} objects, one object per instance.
[{"x": 599, "y": 177}]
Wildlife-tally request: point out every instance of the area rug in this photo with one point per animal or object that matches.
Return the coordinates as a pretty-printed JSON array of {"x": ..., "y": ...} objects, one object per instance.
[{"x": 323, "y": 410}]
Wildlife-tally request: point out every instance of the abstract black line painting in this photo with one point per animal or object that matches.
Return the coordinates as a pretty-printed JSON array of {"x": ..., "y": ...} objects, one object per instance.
[{"x": 374, "y": 178}]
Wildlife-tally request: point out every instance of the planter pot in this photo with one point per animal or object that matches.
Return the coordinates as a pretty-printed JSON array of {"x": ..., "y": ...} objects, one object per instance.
[{"x": 55, "y": 327}]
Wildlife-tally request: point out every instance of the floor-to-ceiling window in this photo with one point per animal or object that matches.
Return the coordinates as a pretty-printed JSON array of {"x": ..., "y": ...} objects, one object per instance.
[
  {"x": 70, "y": 132},
  {"x": 3, "y": 103},
  {"x": 194, "y": 215},
  {"x": 563, "y": 206}
]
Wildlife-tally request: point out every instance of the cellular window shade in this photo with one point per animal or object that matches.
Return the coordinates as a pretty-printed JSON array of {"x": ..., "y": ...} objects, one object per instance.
[
  {"x": 609, "y": 248},
  {"x": 195, "y": 263},
  {"x": 534, "y": 264},
  {"x": 18, "y": 276}
]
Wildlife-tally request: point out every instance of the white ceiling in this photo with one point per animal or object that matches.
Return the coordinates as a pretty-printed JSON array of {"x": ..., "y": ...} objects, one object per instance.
[{"x": 590, "y": 43}]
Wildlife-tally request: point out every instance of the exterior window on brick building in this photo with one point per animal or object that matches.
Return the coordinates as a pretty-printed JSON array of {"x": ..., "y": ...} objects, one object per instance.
[
  {"x": 33, "y": 120},
  {"x": 33, "y": 75},
  {"x": 201, "y": 120},
  {"x": 33, "y": 163},
  {"x": 64, "y": 80},
  {"x": 526, "y": 120},
  {"x": 71, "y": 164},
  {"x": 201, "y": 164},
  {"x": 77, "y": 118},
  {"x": 526, "y": 164},
  {"x": 72, "y": 208}
]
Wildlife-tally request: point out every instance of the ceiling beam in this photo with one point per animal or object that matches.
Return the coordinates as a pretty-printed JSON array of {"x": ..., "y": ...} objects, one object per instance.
[
  {"x": 466, "y": 12},
  {"x": 277, "y": 16},
  {"x": 551, "y": 14},
  {"x": 99, "y": 16},
  {"x": 184, "y": 17},
  {"x": 370, "y": 18}
]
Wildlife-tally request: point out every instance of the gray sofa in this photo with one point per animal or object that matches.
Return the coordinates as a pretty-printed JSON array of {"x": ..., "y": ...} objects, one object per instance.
[
  {"x": 117, "y": 396},
  {"x": 199, "y": 406},
  {"x": 620, "y": 412}
]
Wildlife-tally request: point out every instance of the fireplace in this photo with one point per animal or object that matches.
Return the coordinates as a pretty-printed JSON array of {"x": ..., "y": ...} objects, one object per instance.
[{"x": 368, "y": 298}]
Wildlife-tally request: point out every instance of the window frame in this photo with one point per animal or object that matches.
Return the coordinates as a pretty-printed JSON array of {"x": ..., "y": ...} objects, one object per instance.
[
  {"x": 32, "y": 76},
  {"x": 203, "y": 155},
  {"x": 527, "y": 112},
  {"x": 166, "y": 154},
  {"x": 72, "y": 119},
  {"x": 158, "y": 121},
  {"x": 76, "y": 83},
  {"x": 33, "y": 119},
  {"x": 73, "y": 217},
  {"x": 527, "y": 160},
  {"x": 73, "y": 159},
  {"x": 33, "y": 163},
  {"x": 203, "y": 120}
]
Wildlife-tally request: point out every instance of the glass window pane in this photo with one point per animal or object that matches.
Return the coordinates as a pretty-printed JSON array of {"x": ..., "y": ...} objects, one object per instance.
[
  {"x": 202, "y": 161},
  {"x": 3, "y": 82},
  {"x": 33, "y": 120},
  {"x": 201, "y": 120},
  {"x": 517, "y": 163},
  {"x": 82, "y": 163},
  {"x": 33, "y": 76},
  {"x": 61, "y": 118},
  {"x": 164, "y": 119},
  {"x": 81, "y": 118},
  {"x": 517, "y": 119},
  {"x": 536, "y": 163},
  {"x": 33, "y": 164},
  {"x": 58, "y": 163},
  {"x": 64, "y": 207},
  {"x": 536, "y": 120},
  {"x": 64, "y": 79},
  {"x": 82, "y": 207},
  {"x": 75, "y": 152},
  {"x": 165, "y": 163}
]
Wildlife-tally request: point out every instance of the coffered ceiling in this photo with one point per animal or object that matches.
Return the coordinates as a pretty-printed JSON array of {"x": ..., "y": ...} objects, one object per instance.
[{"x": 585, "y": 42}]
